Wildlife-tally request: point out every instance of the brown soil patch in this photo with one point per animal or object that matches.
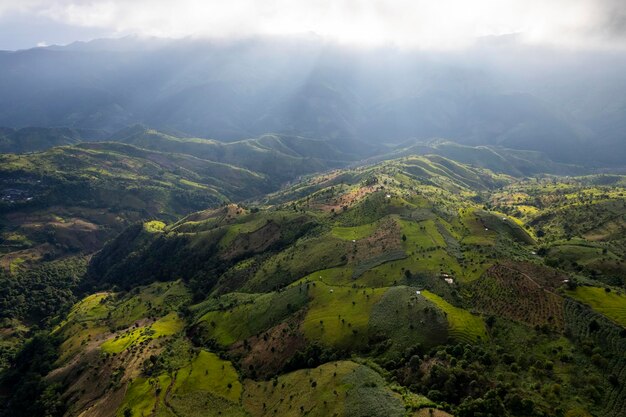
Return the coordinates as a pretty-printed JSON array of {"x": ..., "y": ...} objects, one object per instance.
[
  {"x": 428, "y": 364},
  {"x": 386, "y": 238},
  {"x": 268, "y": 352},
  {"x": 28, "y": 255},
  {"x": 223, "y": 214},
  {"x": 76, "y": 224},
  {"x": 546, "y": 277},
  {"x": 337, "y": 202},
  {"x": 257, "y": 241}
]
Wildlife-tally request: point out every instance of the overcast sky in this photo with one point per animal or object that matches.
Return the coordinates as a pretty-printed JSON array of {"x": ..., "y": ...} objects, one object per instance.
[{"x": 435, "y": 24}]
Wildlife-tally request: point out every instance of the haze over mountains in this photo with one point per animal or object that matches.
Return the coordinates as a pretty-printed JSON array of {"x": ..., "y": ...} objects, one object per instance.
[{"x": 569, "y": 105}]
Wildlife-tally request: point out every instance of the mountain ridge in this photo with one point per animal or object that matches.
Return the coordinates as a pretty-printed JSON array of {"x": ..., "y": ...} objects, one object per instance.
[{"x": 238, "y": 90}]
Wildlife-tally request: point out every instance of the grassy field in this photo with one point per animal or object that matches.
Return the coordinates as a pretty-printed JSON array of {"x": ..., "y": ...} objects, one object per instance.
[
  {"x": 144, "y": 395},
  {"x": 245, "y": 227},
  {"x": 422, "y": 235},
  {"x": 464, "y": 326},
  {"x": 247, "y": 319},
  {"x": 611, "y": 304},
  {"x": 165, "y": 326},
  {"x": 477, "y": 232},
  {"x": 185, "y": 392},
  {"x": 154, "y": 300},
  {"x": 339, "y": 316},
  {"x": 108, "y": 313},
  {"x": 354, "y": 233},
  {"x": 208, "y": 373},
  {"x": 337, "y": 388},
  {"x": 407, "y": 319},
  {"x": 332, "y": 276},
  {"x": 89, "y": 308},
  {"x": 297, "y": 261},
  {"x": 154, "y": 226}
]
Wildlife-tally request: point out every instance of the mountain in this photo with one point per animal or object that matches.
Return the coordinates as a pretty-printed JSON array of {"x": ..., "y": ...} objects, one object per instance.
[
  {"x": 72, "y": 199},
  {"x": 515, "y": 162},
  {"x": 412, "y": 285},
  {"x": 417, "y": 285},
  {"x": 33, "y": 139},
  {"x": 281, "y": 157},
  {"x": 568, "y": 105}
]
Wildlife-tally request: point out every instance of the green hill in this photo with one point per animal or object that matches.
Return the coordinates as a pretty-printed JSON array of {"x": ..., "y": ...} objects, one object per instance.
[
  {"x": 515, "y": 162},
  {"x": 282, "y": 158},
  {"x": 72, "y": 199},
  {"x": 415, "y": 286},
  {"x": 35, "y": 139}
]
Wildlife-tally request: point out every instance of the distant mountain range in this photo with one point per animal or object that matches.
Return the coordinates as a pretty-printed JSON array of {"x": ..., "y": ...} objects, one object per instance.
[{"x": 570, "y": 106}]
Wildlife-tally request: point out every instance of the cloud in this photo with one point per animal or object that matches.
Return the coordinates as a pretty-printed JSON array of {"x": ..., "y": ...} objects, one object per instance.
[
  {"x": 430, "y": 24},
  {"x": 615, "y": 22}
]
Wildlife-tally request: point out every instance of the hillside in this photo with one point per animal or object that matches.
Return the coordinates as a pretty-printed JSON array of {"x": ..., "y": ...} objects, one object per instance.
[
  {"x": 515, "y": 162},
  {"x": 582, "y": 221},
  {"x": 415, "y": 286},
  {"x": 282, "y": 158},
  {"x": 72, "y": 199}
]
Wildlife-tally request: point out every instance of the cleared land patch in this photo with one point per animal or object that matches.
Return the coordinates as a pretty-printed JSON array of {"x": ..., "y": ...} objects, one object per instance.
[{"x": 355, "y": 232}]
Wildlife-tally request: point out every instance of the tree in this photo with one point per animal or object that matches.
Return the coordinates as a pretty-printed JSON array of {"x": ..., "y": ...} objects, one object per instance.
[{"x": 489, "y": 406}]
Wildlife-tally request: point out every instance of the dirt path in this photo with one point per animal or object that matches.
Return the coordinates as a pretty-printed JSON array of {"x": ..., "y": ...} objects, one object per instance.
[
  {"x": 166, "y": 400},
  {"x": 531, "y": 280}
]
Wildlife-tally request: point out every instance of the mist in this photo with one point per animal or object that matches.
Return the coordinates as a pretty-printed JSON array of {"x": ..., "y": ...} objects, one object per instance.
[
  {"x": 422, "y": 24},
  {"x": 545, "y": 76},
  {"x": 498, "y": 92}
]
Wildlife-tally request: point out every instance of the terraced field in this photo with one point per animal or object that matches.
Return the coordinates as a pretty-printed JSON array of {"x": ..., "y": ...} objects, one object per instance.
[
  {"x": 586, "y": 324},
  {"x": 507, "y": 292}
]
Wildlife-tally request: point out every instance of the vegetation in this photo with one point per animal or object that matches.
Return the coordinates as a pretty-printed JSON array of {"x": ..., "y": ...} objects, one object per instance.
[
  {"x": 464, "y": 326},
  {"x": 612, "y": 304},
  {"x": 416, "y": 286},
  {"x": 40, "y": 293}
]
